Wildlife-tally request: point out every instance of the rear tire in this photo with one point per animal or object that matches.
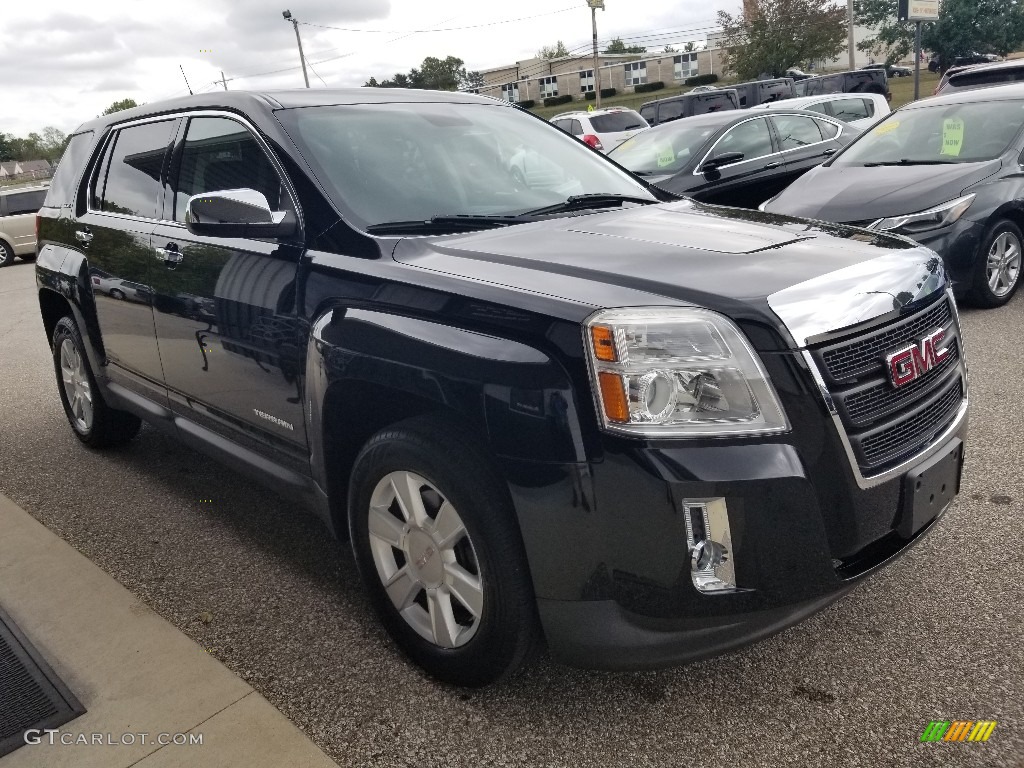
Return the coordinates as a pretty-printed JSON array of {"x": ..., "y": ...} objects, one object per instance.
[
  {"x": 444, "y": 566},
  {"x": 6, "y": 254},
  {"x": 997, "y": 265},
  {"x": 95, "y": 423}
]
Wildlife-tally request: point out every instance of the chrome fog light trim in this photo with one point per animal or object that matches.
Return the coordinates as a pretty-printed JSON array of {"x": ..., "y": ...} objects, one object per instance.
[{"x": 709, "y": 544}]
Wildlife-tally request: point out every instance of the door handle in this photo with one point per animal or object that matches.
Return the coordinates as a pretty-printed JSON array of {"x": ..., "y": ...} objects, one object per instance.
[
  {"x": 170, "y": 255},
  {"x": 829, "y": 152},
  {"x": 84, "y": 236},
  {"x": 770, "y": 166}
]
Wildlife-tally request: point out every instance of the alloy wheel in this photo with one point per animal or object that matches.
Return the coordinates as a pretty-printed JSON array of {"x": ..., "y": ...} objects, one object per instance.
[
  {"x": 76, "y": 385},
  {"x": 425, "y": 559},
  {"x": 1003, "y": 266}
]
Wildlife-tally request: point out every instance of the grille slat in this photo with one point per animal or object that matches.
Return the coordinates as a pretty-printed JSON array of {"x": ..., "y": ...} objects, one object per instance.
[
  {"x": 867, "y": 354},
  {"x": 885, "y": 424}
]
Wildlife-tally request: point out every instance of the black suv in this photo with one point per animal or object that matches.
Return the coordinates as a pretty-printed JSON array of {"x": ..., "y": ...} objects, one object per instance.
[
  {"x": 758, "y": 92},
  {"x": 854, "y": 81},
  {"x": 550, "y": 403},
  {"x": 689, "y": 104}
]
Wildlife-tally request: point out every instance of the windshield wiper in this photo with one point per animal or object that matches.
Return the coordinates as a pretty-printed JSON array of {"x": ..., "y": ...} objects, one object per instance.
[
  {"x": 905, "y": 161},
  {"x": 444, "y": 224},
  {"x": 583, "y": 202}
]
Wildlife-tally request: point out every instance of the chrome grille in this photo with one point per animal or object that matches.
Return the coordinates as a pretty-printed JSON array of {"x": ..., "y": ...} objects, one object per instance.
[{"x": 885, "y": 425}]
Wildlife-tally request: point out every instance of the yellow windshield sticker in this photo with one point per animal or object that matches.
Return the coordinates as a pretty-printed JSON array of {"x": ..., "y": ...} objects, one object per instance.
[
  {"x": 666, "y": 155},
  {"x": 952, "y": 136},
  {"x": 889, "y": 127}
]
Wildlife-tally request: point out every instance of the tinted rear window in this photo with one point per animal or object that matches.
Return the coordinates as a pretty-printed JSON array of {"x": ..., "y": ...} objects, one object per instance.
[
  {"x": 132, "y": 184},
  {"x": 976, "y": 79},
  {"x": 62, "y": 186},
  {"x": 614, "y": 122},
  {"x": 713, "y": 102},
  {"x": 24, "y": 202}
]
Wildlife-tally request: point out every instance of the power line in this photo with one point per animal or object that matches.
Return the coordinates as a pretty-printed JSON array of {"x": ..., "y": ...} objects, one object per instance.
[{"x": 439, "y": 29}]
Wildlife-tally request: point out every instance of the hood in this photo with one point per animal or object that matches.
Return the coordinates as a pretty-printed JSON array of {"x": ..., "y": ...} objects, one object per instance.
[
  {"x": 726, "y": 259},
  {"x": 858, "y": 194}
]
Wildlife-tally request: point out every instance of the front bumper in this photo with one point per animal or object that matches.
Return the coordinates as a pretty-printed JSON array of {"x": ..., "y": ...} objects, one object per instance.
[{"x": 958, "y": 245}]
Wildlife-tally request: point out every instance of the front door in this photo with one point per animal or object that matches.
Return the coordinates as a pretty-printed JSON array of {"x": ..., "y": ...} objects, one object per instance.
[
  {"x": 225, "y": 308},
  {"x": 115, "y": 236},
  {"x": 746, "y": 183}
]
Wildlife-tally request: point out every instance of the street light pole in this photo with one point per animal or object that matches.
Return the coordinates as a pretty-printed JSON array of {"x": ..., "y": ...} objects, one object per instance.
[
  {"x": 849, "y": 31},
  {"x": 288, "y": 17},
  {"x": 594, "y": 5}
]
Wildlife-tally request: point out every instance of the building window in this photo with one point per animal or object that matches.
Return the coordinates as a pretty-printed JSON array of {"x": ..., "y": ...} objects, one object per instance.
[
  {"x": 636, "y": 73},
  {"x": 548, "y": 87},
  {"x": 686, "y": 66},
  {"x": 510, "y": 92},
  {"x": 586, "y": 81}
]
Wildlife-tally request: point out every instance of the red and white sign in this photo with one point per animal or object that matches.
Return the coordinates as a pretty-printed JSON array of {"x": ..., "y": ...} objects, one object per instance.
[{"x": 913, "y": 362}]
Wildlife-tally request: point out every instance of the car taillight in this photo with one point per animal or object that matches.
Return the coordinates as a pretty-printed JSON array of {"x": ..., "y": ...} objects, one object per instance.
[{"x": 592, "y": 141}]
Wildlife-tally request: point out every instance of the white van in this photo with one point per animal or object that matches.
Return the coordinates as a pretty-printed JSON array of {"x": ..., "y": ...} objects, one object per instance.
[
  {"x": 18, "y": 208},
  {"x": 861, "y": 110}
]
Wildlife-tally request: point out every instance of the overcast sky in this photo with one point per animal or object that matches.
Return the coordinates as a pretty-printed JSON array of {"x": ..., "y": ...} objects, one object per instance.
[{"x": 64, "y": 61}]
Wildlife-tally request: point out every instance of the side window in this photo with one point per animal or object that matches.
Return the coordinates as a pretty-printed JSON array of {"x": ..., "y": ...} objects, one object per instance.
[
  {"x": 648, "y": 113},
  {"x": 820, "y": 107},
  {"x": 796, "y": 131},
  {"x": 130, "y": 177},
  {"x": 850, "y": 109},
  {"x": 828, "y": 130},
  {"x": 25, "y": 202},
  {"x": 62, "y": 186},
  {"x": 671, "y": 110},
  {"x": 752, "y": 138},
  {"x": 575, "y": 128},
  {"x": 562, "y": 125},
  {"x": 220, "y": 154}
]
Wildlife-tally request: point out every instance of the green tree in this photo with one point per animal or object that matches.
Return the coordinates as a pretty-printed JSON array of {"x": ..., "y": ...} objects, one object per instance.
[
  {"x": 6, "y": 151},
  {"x": 556, "y": 51},
  {"x": 690, "y": 47},
  {"x": 670, "y": 49},
  {"x": 987, "y": 26},
  {"x": 473, "y": 80},
  {"x": 448, "y": 74},
  {"x": 783, "y": 33},
  {"x": 617, "y": 46},
  {"x": 117, "y": 106}
]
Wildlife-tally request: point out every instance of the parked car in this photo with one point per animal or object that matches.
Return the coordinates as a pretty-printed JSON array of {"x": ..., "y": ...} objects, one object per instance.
[
  {"x": 18, "y": 207},
  {"x": 703, "y": 88},
  {"x": 944, "y": 171},
  {"x": 935, "y": 64},
  {"x": 797, "y": 75},
  {"x": 762, "y": 91},
  {"x": 690, "y": 104},
  {"x": 891, "y": 70},
  {"x": 983, "y": 76},
  {"x": 602, "y": 129},
  {"x": 853, "y": 81},
  {"x": 859, "y": 110},
  {"x": 733, "y": 158},
  {"x": 948, "y": 74},
  {"x": 617, "y": 423}
]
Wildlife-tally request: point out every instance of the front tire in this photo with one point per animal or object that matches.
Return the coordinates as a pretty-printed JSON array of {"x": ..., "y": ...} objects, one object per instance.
[
  {"x": 436, "y": 545},
  {"x": 6, "y": 254},
  {"x": 94, "y": 422},
  {"x": 997, "y": 265}
]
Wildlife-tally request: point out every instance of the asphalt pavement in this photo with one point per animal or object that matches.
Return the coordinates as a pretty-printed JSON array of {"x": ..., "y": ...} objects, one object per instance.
[{"x": 262, "y": 587}]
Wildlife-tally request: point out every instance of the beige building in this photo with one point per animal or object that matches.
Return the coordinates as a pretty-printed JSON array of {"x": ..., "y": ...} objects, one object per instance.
[{"x": 538, "y": 79}]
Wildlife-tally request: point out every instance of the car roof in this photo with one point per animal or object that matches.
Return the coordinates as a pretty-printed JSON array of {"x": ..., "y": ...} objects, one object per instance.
[
  {"x": 688, "y": 94},
  {"x": 247, "y": 102},
  {"x": 1010, "y": 64},
  {"x": 15, "y": 188},
  {"x": 798, "y": 101},
  {"x": 586, "y": 113},
  {"x": 1004, "y": 92},
  {"x": 718, "y": 119}
]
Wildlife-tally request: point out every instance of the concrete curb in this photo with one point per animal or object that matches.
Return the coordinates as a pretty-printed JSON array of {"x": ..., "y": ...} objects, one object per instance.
[{"x": 135, "y": 673}]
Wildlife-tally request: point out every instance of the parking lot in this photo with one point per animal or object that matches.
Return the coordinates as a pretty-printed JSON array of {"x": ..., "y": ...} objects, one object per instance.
[{"x": 263, "y": 588}]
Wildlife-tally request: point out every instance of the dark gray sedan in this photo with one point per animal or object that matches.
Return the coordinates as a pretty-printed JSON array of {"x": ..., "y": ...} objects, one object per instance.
[{"x": 733, "y": 158}]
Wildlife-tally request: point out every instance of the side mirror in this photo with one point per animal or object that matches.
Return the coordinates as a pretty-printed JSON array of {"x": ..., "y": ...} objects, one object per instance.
[
  {"x": 726, "y": 158},
  {"x": 237, "y": 213}
]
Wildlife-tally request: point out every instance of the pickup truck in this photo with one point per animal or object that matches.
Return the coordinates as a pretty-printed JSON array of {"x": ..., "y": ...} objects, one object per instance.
[{"x": 572, "y": 408}]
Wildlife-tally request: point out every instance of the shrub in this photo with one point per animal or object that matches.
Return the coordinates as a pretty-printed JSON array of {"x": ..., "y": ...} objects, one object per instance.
[
  {"x": 606, "y": 93},
  {"x": 527, "y": 104},
  {"x": 554, "y": 101},
  {"x": 648, "y": 87},
  {"x": 701, "y": 80}
]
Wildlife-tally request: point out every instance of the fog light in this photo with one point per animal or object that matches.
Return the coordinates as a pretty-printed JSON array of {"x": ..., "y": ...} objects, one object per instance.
[{"x": 709, "y": 543}]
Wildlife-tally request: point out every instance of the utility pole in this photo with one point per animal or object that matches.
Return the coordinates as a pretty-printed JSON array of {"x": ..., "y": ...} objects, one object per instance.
[
  {"x": 594, "y": 5},
  {"x": 849, "y": 31},
  {"x": 223, "y": 80},
  {"x": 288, "y": 17}
]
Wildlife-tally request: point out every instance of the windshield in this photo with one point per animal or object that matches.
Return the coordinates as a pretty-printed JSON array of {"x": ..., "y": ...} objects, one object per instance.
[
  {"x": 943, "y": 133},
  {"x": 663, "y": 150},
  {"x": 414, "y": 161},
  {"x": 613, "y": 122}
]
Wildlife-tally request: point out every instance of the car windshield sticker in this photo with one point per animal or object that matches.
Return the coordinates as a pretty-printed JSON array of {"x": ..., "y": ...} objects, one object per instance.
[
  {"x": 952, "y": 136},
  {"x": 889, "y": 127},
  {"x": 666, "y": 155}
]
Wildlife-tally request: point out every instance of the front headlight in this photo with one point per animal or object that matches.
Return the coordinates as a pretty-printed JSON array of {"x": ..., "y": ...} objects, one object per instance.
[
  {"x": 933, "y": 218},
  {"x": 678, "y": 372}
]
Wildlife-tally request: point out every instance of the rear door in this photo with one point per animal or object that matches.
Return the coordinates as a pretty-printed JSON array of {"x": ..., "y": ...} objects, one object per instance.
[
  {"x": 803, "y": 145},
  {"x": 114, "y": 233},
  {"x": 749, "y": 182},
  {"x": 226, "y": 320}
]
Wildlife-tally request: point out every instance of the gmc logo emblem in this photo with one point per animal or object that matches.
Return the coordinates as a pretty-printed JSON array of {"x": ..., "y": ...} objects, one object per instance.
[{"x": 915, "y": 361}]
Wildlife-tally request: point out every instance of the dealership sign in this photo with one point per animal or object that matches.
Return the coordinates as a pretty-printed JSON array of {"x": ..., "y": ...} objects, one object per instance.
[{"x": 918, "y": 10}]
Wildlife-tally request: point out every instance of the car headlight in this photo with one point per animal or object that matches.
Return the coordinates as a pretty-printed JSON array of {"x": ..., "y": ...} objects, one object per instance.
[
  {"x": 933, "y": 218},
  {"x": 678, "y": 372}
]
